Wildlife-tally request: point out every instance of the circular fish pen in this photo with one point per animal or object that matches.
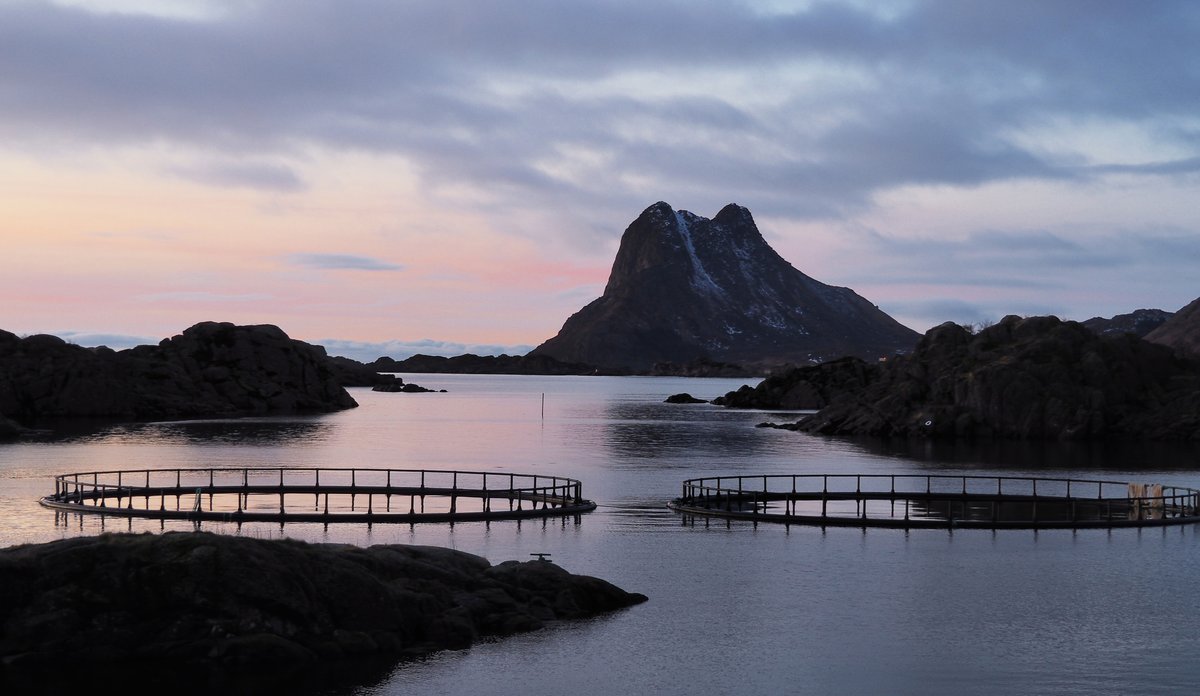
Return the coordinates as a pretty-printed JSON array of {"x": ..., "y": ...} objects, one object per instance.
[
  {"x": 908, "y": 501},
  {"x": 327, "y": 495}
]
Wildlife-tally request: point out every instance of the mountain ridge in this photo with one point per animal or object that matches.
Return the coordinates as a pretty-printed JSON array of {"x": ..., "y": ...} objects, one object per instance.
[{"x": 684, "y": 287}]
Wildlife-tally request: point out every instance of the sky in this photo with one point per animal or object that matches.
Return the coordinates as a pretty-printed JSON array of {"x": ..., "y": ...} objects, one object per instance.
[{"x": 442, "y": 177}]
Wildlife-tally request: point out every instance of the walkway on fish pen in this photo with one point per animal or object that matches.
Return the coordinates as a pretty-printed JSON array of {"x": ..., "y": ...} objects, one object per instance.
[
  {"x": 327, "y": 495},
  {"x": 913, "y": 500}
]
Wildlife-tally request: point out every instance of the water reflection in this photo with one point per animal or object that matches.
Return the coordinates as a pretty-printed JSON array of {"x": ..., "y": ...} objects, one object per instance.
[
  {"x": 1037, "y": 456},
  {"x": 640, "y": 515},
  {"x": 735, "y": 607},
  {"x": 328, "y": 678},
  {"x": 674, "y": 435},
  {"x": 246, "y": 431}
]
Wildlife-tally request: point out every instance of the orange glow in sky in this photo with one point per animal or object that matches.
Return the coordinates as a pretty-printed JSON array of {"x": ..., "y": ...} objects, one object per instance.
[{"x": 394, "y": 173}]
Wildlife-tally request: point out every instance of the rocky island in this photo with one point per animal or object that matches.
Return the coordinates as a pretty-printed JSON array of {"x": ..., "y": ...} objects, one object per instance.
[
  {"x": 196, "y": 600},
  {"x": 1023, "y": 378},
  {"x": 210, "y": 370}
]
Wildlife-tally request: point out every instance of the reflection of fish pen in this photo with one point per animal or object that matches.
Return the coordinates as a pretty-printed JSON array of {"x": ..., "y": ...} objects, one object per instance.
[
  {"x": 317, "y": 495},
  {"x": 902, "y": 500}
]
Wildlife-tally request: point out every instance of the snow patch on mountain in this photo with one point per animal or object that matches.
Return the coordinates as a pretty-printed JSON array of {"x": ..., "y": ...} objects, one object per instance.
[{"x": 701, "y": 280}]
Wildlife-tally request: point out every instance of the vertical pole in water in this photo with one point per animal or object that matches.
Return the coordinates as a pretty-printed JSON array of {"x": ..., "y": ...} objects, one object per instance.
[
  {"x": 1035, "y": 514},
  {"x": 543, "y": 406}
]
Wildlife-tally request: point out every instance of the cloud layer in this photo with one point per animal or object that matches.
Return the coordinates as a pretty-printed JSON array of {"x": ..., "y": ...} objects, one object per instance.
[
  {"x": 558, "y": 122},
  {"x": 334, "y": 262},
  {"x": 804, "y": 113}
]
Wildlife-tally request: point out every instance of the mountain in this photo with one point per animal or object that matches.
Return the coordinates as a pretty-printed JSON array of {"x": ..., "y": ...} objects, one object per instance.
[
  {"x": 1138, "y": 322},
  {"x": 1181, "y": 331},
  {"x": 684, "y": 287}
]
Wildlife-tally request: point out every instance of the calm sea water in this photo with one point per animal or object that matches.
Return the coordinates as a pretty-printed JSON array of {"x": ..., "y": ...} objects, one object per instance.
[{"x": 734, "y": 608}]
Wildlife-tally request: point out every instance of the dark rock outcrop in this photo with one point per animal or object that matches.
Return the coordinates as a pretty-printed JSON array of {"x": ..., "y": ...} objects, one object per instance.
[
  {"x": 210, "y": 370},
  {"x": 1138, "y": 322},
  {"x": 1181, "y": 331},
  {"x": 204, "y": 599},
  {"x": 10, "y": 429},
  {"x": 684, "y": 287},
  {"x": 472, "y": 364},
  {"x": 352, "y": 373},
  {"x": 1032, "y": 378},
  {"x": 684, "y": 398},
  {"x": 399, "y": 385},
  {"x": 809, "y": 387}
]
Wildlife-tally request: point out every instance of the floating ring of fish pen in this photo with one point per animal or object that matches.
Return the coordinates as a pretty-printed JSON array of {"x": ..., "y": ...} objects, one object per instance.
[
  {"x": 291, "y": 494},
  {"x": 910, "y": 500}
]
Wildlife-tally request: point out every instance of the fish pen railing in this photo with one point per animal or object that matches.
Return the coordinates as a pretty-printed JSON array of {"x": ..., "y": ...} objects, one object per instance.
[
  {"x": 932, "y": 500},
  {"x": 311, "y": 494}
]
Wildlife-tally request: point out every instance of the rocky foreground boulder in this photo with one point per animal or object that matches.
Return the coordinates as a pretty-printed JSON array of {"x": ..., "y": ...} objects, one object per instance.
[
  {"x": 210, "y": 370},
  {"x": 201, "y": 599},
  {"x": 1023, "y": 378}
]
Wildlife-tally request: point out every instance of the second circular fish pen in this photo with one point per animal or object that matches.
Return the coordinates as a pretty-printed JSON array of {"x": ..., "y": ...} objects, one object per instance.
[
  {"x": 297, "y": 494},
  {"x": 913, "y": 500}
]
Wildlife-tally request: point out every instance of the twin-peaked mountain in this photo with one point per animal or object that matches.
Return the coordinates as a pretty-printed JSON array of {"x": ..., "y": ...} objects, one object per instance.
[{"x": 686, "y": 288}]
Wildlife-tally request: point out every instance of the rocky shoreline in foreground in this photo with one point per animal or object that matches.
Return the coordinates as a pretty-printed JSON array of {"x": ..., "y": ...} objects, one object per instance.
[{"x": 210, "y": 600}]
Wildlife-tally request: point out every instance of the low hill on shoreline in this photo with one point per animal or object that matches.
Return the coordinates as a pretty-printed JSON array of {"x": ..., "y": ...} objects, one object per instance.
[
  {"x": 1023, "y": 378},
  {"x": 210, "y": 370}
]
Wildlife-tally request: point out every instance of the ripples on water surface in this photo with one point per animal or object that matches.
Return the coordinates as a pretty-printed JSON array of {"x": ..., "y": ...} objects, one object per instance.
[{"x": 732, "y": 607}]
